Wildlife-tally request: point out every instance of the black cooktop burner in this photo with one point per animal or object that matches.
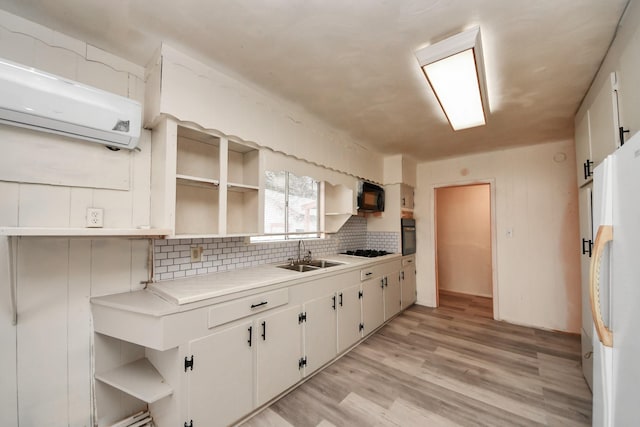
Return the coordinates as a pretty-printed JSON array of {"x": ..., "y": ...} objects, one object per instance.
[{"x": 369, "y": 253}]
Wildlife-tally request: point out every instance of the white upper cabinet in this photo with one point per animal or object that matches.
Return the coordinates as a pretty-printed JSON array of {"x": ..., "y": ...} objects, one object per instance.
[
  {"x": 629, "y": 81},
  {"x": 204, "y": 184},
  {"x": 583, "y": 149},
  {"x": 603, "y": 121}
]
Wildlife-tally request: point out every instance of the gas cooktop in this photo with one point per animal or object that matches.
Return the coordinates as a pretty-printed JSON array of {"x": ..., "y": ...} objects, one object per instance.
[{"x": 369, "y": 253}]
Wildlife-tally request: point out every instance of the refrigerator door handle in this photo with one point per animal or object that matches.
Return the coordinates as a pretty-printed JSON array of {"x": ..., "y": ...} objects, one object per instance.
[{"x": 604, "y": 235}]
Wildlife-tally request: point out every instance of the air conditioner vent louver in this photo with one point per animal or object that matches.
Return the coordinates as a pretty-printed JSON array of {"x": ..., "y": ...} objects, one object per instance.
[{"x": 38, "y": 100}]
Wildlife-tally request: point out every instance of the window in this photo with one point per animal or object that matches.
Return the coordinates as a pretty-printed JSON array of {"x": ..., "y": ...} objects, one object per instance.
[{"x": 291, "y": 206}]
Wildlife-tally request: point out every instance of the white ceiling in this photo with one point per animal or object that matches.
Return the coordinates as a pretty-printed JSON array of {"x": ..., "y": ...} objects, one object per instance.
[{"x": 351, "y": 62}]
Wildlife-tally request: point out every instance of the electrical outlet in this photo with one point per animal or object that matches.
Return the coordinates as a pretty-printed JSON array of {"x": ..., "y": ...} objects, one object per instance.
[
  {"x": 95, "y": 217},
  {"x": 196, "y": 253}
]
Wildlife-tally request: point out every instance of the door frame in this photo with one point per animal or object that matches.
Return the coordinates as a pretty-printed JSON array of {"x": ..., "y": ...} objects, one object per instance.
[{"x": 494, "y": 238}]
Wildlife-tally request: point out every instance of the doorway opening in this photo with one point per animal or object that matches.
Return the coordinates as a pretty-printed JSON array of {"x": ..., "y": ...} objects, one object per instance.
[{"x": 464, "y": 248}]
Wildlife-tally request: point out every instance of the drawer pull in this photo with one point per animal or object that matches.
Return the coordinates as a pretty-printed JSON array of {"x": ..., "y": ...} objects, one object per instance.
[
  {"x": 368, "y": 274},
  {"x": 259, "y": 304}
]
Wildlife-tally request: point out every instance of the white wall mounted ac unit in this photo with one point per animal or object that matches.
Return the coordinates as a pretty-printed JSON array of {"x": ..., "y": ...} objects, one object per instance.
[{"x": 38, "y": 100}]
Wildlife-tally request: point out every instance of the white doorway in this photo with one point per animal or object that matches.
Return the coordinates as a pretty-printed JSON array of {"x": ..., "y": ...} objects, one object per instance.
[{"x": 464, "y": 244}]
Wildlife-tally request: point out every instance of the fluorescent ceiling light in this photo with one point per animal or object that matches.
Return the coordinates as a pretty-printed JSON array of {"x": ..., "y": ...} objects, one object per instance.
[{"x": 455, "y": 71}]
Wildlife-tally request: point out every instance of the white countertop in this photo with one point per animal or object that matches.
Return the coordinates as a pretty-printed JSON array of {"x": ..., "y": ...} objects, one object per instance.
[
  {"x": 170, "y": 296},
  {"x": 185, "y": 291}
]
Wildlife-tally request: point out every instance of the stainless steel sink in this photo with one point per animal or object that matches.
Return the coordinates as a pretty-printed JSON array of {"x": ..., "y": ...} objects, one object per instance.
[
  {"x": 310, "y": 266},
  {"x": 322, "y": 263},
  {"x": 298, "y": 267}
]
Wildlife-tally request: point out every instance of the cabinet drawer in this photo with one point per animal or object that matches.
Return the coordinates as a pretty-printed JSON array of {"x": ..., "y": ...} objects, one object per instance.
[
  {"x": 407, "y": 261},
  {"x": 366, "y": 274},
  {"x": 378, "y": 270},
  {"x": 223, "y": 313}
]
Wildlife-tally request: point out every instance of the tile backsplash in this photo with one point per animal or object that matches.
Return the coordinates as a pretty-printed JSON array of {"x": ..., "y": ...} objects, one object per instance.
[{"x": 173, "y": 256}]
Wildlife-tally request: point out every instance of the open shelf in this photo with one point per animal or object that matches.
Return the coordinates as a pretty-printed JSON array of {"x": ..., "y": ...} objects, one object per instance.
[
  {"x": 83, "y": 232},
  {"x": 197, "y": 209},
  {"x": 139, "y": 379},
  {"x": 243, "y": 164},
  {"x": 242, "y": 210},
  {"x": 198, "y": 154}
]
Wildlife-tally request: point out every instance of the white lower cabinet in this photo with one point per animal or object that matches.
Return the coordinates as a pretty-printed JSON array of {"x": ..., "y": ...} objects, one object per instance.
[
  {"x": 392, "y": 299},
  {"x": 279, "y": 352},
  {"x": 408, "y": 281},
  {"x": 214, "y": 364},
  {"x": 320, "y": 330},
  {"x": 372, "y": 304},
  {"x": 349, "y": 317},
  {"x": 220, "y": 386}
]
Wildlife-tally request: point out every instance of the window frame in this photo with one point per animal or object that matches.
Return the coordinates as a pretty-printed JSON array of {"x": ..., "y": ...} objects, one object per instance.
[{"x": 292, "y": 235}]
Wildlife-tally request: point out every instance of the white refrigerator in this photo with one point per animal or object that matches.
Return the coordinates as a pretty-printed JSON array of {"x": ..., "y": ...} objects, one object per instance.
[{"x": 615, "y": 288}]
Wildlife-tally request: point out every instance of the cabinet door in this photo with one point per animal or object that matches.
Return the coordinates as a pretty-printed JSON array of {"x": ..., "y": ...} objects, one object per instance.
[
  {"x": 406, "y": 197},
  {"x": 586, "y": 237},
  {"x": 220, "y": 386},
  {"x": 320, "y": 332},
  {"x": 372, "y": 304},
  {"x": 349, "y": 317},
  {"x": 628, "y": 84},
  {"x": 408, "y": 285},
  {"x": 279, "y": 350},
  {"x": 583, "y": 148},
  {"x": 603, "y": 118},
  {"x": 392, "y": 298}
]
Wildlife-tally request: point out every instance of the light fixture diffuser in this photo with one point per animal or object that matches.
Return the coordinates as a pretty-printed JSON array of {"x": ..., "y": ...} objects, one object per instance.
[{"x": 455, "y": 71}]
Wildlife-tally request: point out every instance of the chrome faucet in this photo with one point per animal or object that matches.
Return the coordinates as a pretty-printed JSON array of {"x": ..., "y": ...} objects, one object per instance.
[
  {"x": 306, "y": 258},
  {"x": 300, "y": 245}
]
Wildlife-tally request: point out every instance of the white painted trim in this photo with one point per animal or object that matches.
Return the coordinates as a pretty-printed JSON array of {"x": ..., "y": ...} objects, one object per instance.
[{"x": 494, "y": 236}]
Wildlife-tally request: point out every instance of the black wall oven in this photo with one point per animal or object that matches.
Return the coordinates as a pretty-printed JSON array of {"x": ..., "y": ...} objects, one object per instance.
[{"x": 408, "y": 236}]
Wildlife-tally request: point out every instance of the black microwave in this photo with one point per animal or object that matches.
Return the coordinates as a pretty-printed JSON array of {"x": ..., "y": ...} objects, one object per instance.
[{"x": 370, "y": 197}]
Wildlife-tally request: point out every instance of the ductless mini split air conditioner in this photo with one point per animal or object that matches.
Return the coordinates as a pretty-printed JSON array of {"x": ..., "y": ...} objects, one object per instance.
[{"x": 38, "y": 100}]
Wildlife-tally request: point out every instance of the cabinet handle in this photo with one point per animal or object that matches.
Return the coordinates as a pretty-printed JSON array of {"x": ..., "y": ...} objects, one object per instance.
[
  {"x": 622, "y": 131},
  {"x": 334, "y": 302},
  {"x": 589, "y": 244},
  {"x": 368, "y": 274},
  {"x": 250, "y": 333},
  {"x": 340, "y": 299},
  {"x": 382, "y": 283},
  {"x": 402, "y": 274},
  {"x": 259, "y": 304},
  {"x": 264, "y": 331}
]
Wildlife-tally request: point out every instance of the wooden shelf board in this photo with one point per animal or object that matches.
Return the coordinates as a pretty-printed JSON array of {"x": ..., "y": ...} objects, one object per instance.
[
  {"x": 139, "y": 379},
  {"x": 194, "y": 180},
  {"x": 83, "y": 232},
  {"x": 241, "y": 188},
  {"x": 338, "y": 213}
]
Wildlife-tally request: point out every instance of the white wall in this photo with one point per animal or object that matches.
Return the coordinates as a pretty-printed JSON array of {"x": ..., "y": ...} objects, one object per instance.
[
  {"x": 463, "y": 218},
  {"x": 536, "y": 197}
]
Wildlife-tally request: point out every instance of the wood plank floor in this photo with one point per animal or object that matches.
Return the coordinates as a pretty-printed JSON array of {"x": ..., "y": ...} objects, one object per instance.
[{"x": 450, "y": 366}]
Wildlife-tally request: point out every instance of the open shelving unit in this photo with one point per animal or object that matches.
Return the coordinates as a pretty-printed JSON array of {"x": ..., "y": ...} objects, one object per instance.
[
  {"x": 215, "y": 190},
  {"x": 339, "y": 205},
  {"x": 139, "y": 379}
]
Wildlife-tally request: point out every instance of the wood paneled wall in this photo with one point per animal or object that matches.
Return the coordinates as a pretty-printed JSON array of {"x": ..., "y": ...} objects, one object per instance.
[{"x": 46, "y": 358}]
